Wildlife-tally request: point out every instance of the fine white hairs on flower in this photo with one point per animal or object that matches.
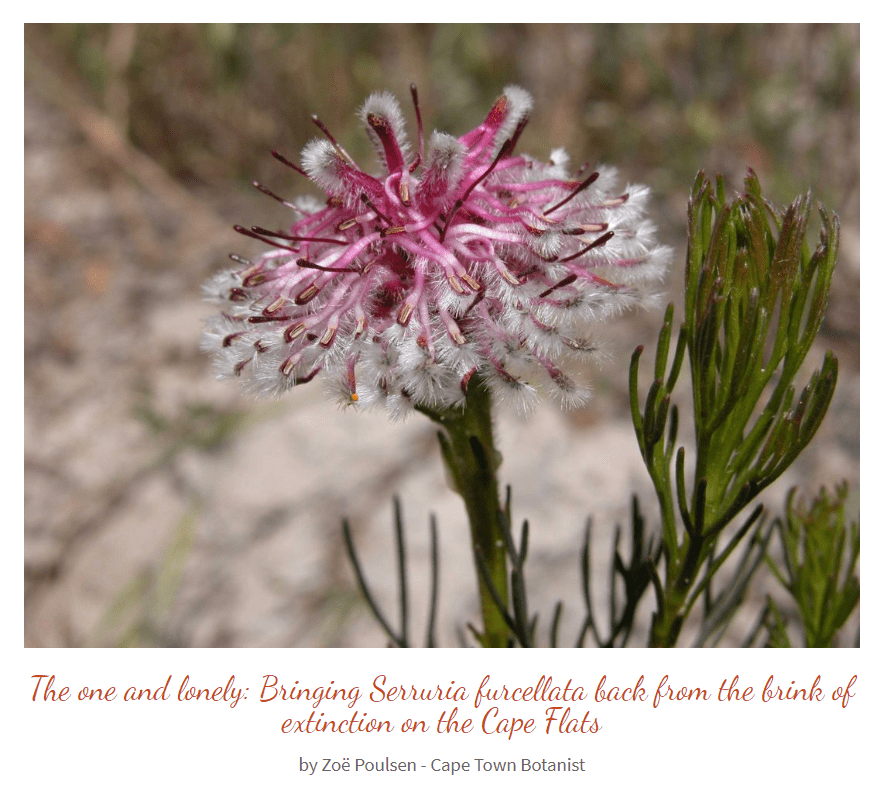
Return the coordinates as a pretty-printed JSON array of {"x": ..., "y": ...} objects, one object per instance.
[
  {"x": 445, "y": 164},
  {"x": 519, "y": 105},
  {"x": 401, "y": 287},
  {"x": 384, "y": 105},
  {"x": 324, "y": 165}
]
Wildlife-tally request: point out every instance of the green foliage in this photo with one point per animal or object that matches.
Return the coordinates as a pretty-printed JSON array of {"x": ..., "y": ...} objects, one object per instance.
[
  {"x": 400, "y": 638},
  {"x": 820, "y": 552},
  {"x": 773, "y": 621},
  {"x": 468, "y": 448},
  {"x": 755, "y": 296}
]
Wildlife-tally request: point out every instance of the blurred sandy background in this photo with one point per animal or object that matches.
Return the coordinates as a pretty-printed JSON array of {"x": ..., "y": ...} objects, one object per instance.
[{"x": 164, "y": 509}]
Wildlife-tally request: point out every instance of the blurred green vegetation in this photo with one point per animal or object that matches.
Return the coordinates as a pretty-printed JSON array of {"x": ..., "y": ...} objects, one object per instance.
[
  {"x": 660, "y": 101},
  {"x": 138, "y": 616},
  {"x": 820, "y": 555}
]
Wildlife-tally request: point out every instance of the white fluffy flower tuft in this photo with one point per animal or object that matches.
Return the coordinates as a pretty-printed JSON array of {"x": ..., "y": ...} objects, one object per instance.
[{"x": 463, "y": 261}]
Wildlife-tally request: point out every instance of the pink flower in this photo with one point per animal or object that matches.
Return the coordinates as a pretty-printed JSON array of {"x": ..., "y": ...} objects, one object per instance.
[{"x": 460, "y": 261}]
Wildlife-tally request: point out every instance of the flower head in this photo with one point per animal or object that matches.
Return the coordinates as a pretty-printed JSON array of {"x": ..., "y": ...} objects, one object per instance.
[{"x": 457, "y": 261}]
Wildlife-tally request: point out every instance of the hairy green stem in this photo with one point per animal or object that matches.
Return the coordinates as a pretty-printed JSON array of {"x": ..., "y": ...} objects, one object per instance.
[
  {"x": 472, "y": 461},
  {"x": 673, "y": 610}
]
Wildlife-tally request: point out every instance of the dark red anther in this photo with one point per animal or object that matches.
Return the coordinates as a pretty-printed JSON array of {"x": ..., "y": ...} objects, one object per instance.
[
  {"x": 306, "y": 378},
  {"x": 579, "y": 230},
  {"x": 249, "y": 233},
  {"x": 272, "y": 308},
  {"x": 282, "y": 159},
  {"x": 599, "y": 241},
  {"x": 582, "y": 187},
  {"x": 328, "y": 336},
  {"x": 455, "y": 208},
  {"x": 502, "y": 153},
  {"x": 415, "y": 98},
  {"x": 320, "y": 125},
  {"x": 366, "y": 200},
  {"x": 287, "y": 366},
  {"x": 293, "y": 331},
  {"x": 622, "y": 199},
  {"x": 269, "y": 318},
  {"x": 518, "y": 131},
  {"x": 253, "y": 279},
  {"x": 304, "y": 263},
  {"x": 307, "y": 295},
  {"x": 342, "y": 153},
  {"x": 561, "y": 283},
  {"x": 296, "y": 238},
  {"x": 505, "y": 149},
  {"x": 480, "y": 296},
  {"x": 264, "y": 189}
]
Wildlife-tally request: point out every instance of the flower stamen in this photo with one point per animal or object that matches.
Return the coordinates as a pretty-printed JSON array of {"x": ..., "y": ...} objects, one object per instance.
[
  {"x": 582, "y": 187},
  {"x": 304, "y": 263},
  {"x": 505, "y": 149},
  {"x": 366, "y": 200},
  {"x": 307, "y": 295},
  {"x": 561, "y": 283},
  {"x": 336, "y": 145},
  {"x": 597, "y": 243},
  {"x": 415, "y": 98},
  {"x": 282, "y": 159},
  {"x": 297, "y": 238}
]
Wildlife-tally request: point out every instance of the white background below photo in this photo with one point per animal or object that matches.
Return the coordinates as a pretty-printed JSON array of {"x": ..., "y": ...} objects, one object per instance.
[{"x": 504, "y": 721}]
